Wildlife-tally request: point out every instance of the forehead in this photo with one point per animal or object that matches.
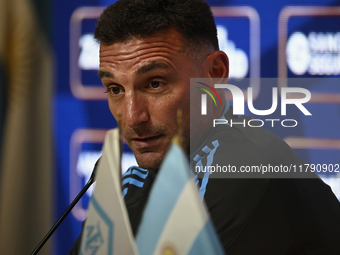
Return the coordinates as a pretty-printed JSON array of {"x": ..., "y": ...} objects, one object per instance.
[{"x": 164, "y": 44}]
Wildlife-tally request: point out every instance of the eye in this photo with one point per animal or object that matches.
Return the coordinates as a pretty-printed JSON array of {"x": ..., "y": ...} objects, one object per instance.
[
  {"x": 114, "y": 90},
  {"x": 155, "y": 84}
]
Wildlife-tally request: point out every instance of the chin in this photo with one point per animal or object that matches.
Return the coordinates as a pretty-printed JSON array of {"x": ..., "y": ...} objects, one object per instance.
[{"x": 150, "y": 161}]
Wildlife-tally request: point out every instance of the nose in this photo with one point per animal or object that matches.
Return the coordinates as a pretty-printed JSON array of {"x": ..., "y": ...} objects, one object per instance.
[{"x": 135, "y": 112}]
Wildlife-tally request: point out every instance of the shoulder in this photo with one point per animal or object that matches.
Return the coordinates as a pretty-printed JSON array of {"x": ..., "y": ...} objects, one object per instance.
[
  {"x": 254, "y": 142},
  {"x": 136, "y": 186},
  {"x": 238, "y": 146}
]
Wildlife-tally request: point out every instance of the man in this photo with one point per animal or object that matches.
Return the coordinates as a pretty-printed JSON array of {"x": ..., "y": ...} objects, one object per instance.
[{"x": 149, "y": 50}]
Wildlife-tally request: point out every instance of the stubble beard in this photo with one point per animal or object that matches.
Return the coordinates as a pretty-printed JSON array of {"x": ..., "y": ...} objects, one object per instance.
[{"x": 145, "y": 159}]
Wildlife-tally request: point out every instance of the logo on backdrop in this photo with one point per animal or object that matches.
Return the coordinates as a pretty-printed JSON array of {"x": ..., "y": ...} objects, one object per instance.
[{"x": 315, "y": 54}]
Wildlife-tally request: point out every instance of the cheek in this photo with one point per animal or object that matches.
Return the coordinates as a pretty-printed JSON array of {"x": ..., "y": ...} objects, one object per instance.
[
  {"x": 165, "y": 110},
  {"x": 113, "y": 109}
]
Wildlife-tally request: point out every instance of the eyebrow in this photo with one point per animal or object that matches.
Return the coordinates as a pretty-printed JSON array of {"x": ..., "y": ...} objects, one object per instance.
[
  {"x": 105, "y": 74},
  {"x": 151, "y": 66},
  {"x": 142, "y": 70}
]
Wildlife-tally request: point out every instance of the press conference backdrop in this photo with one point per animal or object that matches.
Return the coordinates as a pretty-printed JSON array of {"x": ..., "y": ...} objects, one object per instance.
[{"x": 275, "y": 39}]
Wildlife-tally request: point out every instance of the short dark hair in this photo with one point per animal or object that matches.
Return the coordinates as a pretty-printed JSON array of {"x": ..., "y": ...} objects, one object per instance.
[{"x": 126, "y": 19}]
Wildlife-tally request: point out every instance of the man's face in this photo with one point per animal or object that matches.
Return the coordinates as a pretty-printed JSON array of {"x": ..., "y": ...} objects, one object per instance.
[{"x": 149, "y": 80}]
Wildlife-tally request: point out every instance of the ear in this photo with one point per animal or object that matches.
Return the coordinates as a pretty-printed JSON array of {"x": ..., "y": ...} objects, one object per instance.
[{"x": 218, "y": 65}]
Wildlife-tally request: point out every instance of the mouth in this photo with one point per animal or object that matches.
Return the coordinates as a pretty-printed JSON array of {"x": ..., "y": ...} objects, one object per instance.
[{"x": 146, "y": 142}]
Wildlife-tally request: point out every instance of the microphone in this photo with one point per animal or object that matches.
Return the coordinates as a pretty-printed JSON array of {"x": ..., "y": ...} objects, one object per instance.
[{"x": 68, "y": 210}]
